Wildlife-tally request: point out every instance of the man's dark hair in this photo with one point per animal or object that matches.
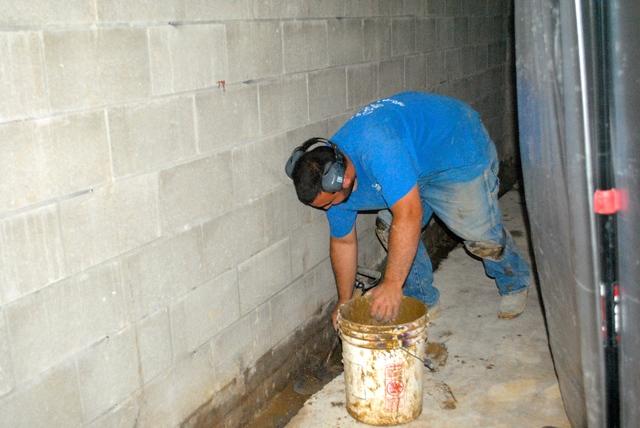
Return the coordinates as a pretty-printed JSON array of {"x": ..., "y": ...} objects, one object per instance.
[{"x": 307, "y": 174}]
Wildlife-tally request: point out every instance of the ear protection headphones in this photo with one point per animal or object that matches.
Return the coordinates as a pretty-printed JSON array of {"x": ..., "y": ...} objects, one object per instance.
[{"x": 333, "y": 174}]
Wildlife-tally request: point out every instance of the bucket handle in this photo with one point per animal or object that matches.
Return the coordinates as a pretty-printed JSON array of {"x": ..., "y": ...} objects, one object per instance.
[{"x": 425, "y": 361}]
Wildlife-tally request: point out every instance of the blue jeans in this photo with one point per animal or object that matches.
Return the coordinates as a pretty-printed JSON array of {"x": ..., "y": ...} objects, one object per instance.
[{"x": 470, "y": 210}]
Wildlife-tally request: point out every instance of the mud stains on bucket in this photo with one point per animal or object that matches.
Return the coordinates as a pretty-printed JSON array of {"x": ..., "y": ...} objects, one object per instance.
[{"x": 383, "y": 362}]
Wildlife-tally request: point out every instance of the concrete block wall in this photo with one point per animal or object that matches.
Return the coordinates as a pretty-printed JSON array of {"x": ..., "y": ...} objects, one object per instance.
[{"x": 152, "y": 251}]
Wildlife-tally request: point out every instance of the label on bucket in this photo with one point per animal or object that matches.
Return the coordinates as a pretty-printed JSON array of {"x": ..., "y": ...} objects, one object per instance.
[{"x": 394, "y": 386}]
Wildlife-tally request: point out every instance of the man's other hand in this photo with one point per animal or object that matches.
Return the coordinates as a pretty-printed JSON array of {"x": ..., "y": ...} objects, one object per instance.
[{"x": 385, "y": 302}]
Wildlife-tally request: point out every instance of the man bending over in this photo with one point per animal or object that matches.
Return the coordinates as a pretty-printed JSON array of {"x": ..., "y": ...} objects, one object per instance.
[{"x": 410, "y": 156}]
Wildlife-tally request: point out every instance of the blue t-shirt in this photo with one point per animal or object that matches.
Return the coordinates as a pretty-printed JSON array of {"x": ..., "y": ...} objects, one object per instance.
[{"x": 395, "y": 141}]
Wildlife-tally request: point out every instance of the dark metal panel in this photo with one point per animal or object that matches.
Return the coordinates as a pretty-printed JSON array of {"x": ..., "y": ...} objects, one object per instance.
[
  {"x": 557, "y": 191},
  {"x": 625, "y": 56}
]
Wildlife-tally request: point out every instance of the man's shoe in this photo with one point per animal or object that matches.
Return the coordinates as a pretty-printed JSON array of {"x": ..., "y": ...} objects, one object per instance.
[{"x": 513, "y": 305}]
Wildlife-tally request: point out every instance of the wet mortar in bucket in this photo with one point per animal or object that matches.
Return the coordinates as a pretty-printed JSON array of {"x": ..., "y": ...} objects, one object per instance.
[{"x": 382, "y": 361}]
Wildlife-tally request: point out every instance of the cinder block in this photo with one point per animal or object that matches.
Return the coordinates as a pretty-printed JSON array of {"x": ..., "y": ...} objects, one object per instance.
[
  {"x": 333, "y": 124},
  {"x": 186, "y": 57},
  {"x": 426, "y": 34},
  {"x": 296, "y": 137},
  {"x": 481, "y": 58},
  {"x": 414, "y": 7},
  {"x": 377, "y": 39},
  {"x": 460, "y": 32},
  {"x": 478, "y": 31},
  {"x": 109, "y": 221},
  {"x": 124, "y": 414},
  {"x": 473, "y": 87},
  {"x": 195, "y": 191},
  {"x": 365, "y": 8},
  {"x": 467, "y": 60},
  {"x": 327, "y": 93},
  {"x": 53, "y": 401},
  {"x": 304, "y": 45},
  {"x": 22, "y": 85},
  {"x": 28, "y": 240},
  {"x": 108, "y": 373},
  {"x": 49, "y": 326},
  {"x": 7, "y": 381},
  {"x": 391, "y": 8},
  {"x": 372, "y": 253},
  {"x": 292, "y": 307},
  {"x": 345, "y": 41},
  {"x": 452, "y": 64},
  {"x": 497, "y": 53},
  {"x": 169, "y": 399},
  {"x": 283, "y": 104},
  {"x": 435, "y": 7},
  {"x": 309, "y": 246},
  {"x": 475, "y": 7},
  {"x": 436, "y": 72},
  {"x": 161, "y": 272},
  {"x": 279, "y": 9},
  {"x": 496, "y": 7},
  {"x": 263, "y": 275},
  {"x": 206, "y": 310},
  {"x": 495, "y": 28},
  {"x": 258, "y": 169},
  {"x": 390, "y": 77},
  {"x": 205, "y": 10},
  {"x": 254, "y": 49},
  {"x": 154, "y": 345},
  {"x": 362, "y": 84},
  {"x": 90, "y": 68},
  {"x": 228, "y": 117},
  {"x": 144, "y": 137},
  {"x": 453, "y": 7},
  {"x": 139, "y": 11},
  {"x": 446, "y": 33},
  {"x": 238, "y": 346},
  {"x": 52, "y": 157},
  {"x": 415, "y": 72},
  {"x": 282, "y": 213},
  {"x": 403, "y": 36},
  {"x": 365, "y": 224},
  {"x": 460, "y": 90},
  {"x": 234, "y": 237},
  {"x": 46, "y": 12},
  {"x": 324, "y": 283},
  {"x": 324, "y": 8}
]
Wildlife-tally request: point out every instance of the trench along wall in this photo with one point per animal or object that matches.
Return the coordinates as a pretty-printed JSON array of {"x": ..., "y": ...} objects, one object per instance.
[{"x": 152, "y": 252}]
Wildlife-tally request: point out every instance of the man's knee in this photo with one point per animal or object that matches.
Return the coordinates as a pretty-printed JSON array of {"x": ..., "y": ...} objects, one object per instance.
[{"x": 485, "y": 249}]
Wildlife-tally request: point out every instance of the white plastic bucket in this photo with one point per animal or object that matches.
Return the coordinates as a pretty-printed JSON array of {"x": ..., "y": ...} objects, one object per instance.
[{"x": 383, "y": 377}]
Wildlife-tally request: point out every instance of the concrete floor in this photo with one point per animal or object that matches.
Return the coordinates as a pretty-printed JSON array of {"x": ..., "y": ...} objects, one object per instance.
[{"x": 497, "y": 373}]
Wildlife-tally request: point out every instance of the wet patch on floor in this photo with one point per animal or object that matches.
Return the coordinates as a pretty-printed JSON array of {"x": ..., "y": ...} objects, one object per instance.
[
  {"x": 441, "y": 393},
  {"x": 437, "y": 353}
]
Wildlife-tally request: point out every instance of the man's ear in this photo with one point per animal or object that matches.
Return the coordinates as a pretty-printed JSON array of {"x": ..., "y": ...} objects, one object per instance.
[{"x": 347, "y": 180}]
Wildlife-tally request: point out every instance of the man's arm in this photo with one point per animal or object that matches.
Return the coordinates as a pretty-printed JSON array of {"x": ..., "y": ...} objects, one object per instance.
[
  {"x": 344, "y": 260},
  {"x": 403, "y": 244}
]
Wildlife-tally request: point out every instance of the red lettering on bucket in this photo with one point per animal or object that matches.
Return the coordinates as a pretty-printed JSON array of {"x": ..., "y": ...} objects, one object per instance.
[{"x": 394, "y": 386}]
